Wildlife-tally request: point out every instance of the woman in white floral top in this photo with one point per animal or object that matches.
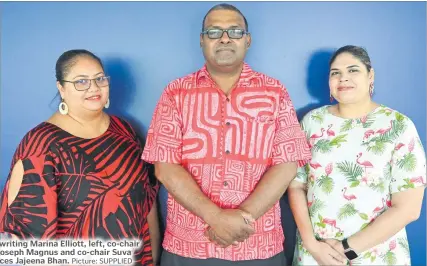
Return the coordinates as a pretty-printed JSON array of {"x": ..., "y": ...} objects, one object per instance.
[{"x": 366, "y": 179}]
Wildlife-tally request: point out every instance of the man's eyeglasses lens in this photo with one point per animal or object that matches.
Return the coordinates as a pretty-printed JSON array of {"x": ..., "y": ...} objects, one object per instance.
[{"x": 232, "y": 33}]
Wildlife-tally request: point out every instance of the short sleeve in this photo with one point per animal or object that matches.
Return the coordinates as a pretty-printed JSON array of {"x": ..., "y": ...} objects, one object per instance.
[
  {"x": 290, "y": 143},
  {"x": 303, "y": 171},
  {"x": 148, "y": 169},
  {"x": 33, "y": 213},
  {"x": 144, "y": 254},
  {"x": 408, "y": 164},
  {"x": 164, "y": 137},
  {"x": 302, "y": 174}
]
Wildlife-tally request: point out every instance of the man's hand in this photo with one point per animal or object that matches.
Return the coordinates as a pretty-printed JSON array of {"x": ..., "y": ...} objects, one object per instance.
[{"x": 230, "y": 227}]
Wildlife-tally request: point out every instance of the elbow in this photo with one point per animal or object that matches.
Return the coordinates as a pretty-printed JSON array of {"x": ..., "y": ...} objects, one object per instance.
[
  {"x": 414, "y": 215},
  {"x": 410, "y": 214},
  {"x": 159, "y": 172},
  {"x": 296, "y": 187},
  {"x": 296, "y": 192},
  {"x": 292, "y": 190},
  {"x": 153, "y": 212}
]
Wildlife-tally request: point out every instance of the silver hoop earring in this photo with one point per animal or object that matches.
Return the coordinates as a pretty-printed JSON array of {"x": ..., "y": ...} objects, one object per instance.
[
  {"x": 63, "y": 108},
  {"x": 107, "y": 104}
]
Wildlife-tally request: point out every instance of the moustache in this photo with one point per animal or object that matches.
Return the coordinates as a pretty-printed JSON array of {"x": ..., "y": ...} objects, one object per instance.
[{"x": 224, "y": 48}]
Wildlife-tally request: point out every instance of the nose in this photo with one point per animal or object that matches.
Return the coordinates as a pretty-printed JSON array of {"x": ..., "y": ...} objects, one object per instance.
[
  {"x": 343, "y": 77},
  {"x": 93, "y": 86},
  {"x": 225, "y": 38}
]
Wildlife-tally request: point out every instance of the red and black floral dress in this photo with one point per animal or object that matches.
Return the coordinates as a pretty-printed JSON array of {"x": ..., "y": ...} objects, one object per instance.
[{"x": 81, "y": 188}]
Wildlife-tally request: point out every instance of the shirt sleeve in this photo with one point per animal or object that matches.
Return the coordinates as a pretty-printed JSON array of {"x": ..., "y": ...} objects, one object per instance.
[
  {"x": 290, "y": 143},
  {"x": 33, "y": 213},
  {"x": 303, "y": 171},
  {"x": 144, "y": 254},
  {"x": 149, "y": 179},
  {"x": 408, "y": 164},
  {"x": 164, "y": 137}
]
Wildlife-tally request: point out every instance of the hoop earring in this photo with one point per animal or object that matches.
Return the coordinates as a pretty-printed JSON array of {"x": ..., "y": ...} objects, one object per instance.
[
  {"x": 107, "y": 104},
  {"x": 63, "y": 108}
]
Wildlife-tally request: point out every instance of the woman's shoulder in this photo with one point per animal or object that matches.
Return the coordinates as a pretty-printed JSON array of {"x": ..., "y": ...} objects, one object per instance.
[
  {"x": 393, "y": 114},
  {"x": 316, "y": 114},
  {"x": 320, "y": 110},
  {"x": 41, "y": 133},
  {"x": 122, "y": 126},
  {"x": 37, "y": 140}
]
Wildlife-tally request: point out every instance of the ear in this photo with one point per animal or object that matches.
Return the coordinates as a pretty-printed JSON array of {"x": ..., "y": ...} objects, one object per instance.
[
  {"x": 248, "y": 40},
  {"x": 371, "y": 75},
  {"x": 61, "y": 89},
  {"x": 201, "y": 40}
]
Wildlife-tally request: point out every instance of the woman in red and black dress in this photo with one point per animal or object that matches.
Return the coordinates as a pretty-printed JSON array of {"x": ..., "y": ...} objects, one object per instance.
[{"x": 79, "y": 174}]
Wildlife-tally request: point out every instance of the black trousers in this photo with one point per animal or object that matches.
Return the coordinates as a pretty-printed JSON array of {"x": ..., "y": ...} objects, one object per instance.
[
  {"x": 169, "y": 259},
  {"x": 289, "y": 229}
]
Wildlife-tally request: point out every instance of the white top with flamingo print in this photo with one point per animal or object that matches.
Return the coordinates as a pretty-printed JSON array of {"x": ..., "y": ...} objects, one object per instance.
[{"x": 357, "y": 165}]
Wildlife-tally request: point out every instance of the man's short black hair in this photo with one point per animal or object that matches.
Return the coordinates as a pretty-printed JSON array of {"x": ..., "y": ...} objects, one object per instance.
[{"x": 225, "y": 6}]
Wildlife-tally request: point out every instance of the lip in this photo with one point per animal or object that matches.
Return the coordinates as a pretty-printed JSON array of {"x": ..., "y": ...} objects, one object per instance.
[
  {"x": 225, "y": 50},
  {"x": 345, "y": 88},
  {"x": 93, "y": 98}
]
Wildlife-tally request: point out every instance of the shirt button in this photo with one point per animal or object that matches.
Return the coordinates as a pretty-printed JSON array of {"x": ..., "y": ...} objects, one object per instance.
[
  {"x": 228, "y": 123},
  {"x": 227, "y": 151},
  {"x": 225, "y": 183}
]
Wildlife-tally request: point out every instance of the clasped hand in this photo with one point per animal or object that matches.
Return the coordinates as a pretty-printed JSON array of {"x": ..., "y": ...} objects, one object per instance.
[
  {"x": 230, "y": 227},
  {"x": 327, "y": 252}
]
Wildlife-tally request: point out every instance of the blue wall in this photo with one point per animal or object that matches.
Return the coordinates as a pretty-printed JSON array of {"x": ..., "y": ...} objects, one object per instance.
[{"x": 145, "y": 45}]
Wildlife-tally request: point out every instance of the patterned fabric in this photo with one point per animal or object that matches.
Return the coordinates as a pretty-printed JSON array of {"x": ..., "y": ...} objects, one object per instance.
[
  {"x": 357, "y": 165},
  {"x": 226, "y": 144},
  {"x": 81, "y": 188}
]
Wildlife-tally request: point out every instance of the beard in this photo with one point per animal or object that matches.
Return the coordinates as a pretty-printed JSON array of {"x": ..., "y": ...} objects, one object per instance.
[{"x": 225, "y": 57}]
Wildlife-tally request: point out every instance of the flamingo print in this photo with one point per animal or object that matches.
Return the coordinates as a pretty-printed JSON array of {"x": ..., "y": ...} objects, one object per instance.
[
  {"x": 348, "y": 197},
  {"x": 380, "y": 208},
  {"x": 418, "y": 179},
  {"x": 364, "y": 119},
  {"x": 331, "y": 222},
  {"x": 392, "y": 245},
  {"x": 365, "y": 164},
  {"x": 364, "y": 180},
  {"x": 411, "y": 145},
  {"x": 315, "y": 136},
  {"x": 385, "y": 130},
  {"x": 314, "y": 165},
  {"x": 388, "y": 203},
  {"x": 368, "y": 133},
  {"x": 330, "y": 132},
  {"x": 398, "y": 146},
  {"x": 328, "y": 169}
]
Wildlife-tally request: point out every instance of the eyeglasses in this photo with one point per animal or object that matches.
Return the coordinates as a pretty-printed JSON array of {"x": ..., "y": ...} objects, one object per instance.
[
  {"x": 232, "y": 33},
  {"x": 84, "y": 84}
]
